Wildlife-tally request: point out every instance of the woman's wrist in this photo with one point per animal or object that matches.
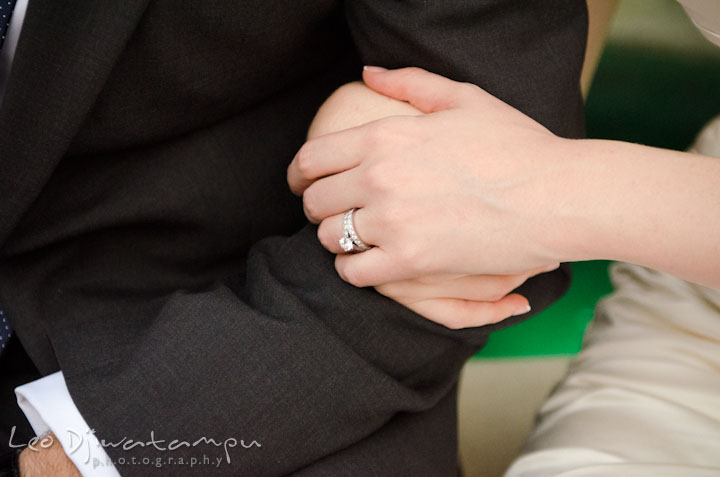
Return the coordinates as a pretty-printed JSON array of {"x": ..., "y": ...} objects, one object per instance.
[
  {"x": 638, "y": 204},
  {"x": 579, "y": 201},
  {"x": 556, "y": 218}
]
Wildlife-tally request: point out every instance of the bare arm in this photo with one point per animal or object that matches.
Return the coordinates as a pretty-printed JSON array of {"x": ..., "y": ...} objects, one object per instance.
[
  {"x": 640, "y": 204},
  {"x": 620, "y": 201},
  {"x": 46, "y": 458}
]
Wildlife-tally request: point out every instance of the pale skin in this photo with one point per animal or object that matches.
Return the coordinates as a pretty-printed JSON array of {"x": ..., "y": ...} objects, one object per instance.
[
  {"x": 452, "y": 299},
  {"x": 474, "y": 186}
]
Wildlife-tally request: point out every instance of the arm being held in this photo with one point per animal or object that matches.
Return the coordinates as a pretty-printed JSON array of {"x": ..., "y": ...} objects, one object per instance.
[{"x": 296, "y": 358}]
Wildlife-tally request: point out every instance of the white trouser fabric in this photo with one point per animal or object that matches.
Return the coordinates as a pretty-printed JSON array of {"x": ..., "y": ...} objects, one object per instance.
[{"x": 643, "y": 396}]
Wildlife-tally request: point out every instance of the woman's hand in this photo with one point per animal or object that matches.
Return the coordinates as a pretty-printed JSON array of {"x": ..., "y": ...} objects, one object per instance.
[
  {"x": 475, "y": 187},
  {"x": 452, "y": 192},
  {"x": 463, "y": 301},
  {"x": 456, "y": 301}
]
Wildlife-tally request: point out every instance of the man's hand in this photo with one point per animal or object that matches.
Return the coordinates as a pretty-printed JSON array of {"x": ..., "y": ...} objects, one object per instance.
[{"x": 46, "y": 457}]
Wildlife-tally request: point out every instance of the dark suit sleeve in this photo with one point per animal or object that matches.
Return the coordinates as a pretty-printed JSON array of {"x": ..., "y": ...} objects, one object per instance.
[
  {"x": 529, "y": 54},
  {"x": 297, "y": 360}
]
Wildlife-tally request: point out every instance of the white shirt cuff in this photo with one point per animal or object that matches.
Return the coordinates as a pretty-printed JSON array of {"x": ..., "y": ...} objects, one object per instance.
[{"x": 48, "y": 407}]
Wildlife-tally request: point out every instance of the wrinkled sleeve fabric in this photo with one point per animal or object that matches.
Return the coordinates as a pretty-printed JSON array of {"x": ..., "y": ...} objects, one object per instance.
[
  {"x": 529, "y": 54},
  {"x": 299, "y": 362}
]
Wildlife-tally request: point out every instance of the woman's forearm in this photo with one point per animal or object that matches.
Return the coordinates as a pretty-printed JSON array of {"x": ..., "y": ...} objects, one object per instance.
[{"x": 643, "y": 205}]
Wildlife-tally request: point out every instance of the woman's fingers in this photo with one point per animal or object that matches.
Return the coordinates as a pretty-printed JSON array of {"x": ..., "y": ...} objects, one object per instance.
[
  {"x": 326, "y": 155},
  {"x": 426, "y": 91},
  {"x": 369, "y": 268},
  {"x": 331, "y": 230},
  {"x": 457, "y": 314},
  {"x": 347, "y": 149},
  {"x": 469, "y": 287},
  {"x": 334, "y": 195}
]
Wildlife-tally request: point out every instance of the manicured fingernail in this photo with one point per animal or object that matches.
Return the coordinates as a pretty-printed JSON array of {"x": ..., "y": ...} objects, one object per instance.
[
  {"x": 522, "y": 311},
  {"x": 374, "y": 69}
]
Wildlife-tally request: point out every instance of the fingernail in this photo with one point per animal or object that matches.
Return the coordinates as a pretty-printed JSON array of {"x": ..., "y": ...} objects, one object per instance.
[
  {"x": 374, "y": 69},
  {"x": 522, "y": 311}
]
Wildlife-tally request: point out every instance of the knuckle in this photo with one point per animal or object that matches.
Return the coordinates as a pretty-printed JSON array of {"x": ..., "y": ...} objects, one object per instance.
[
  {"x": 380, "y": 176},
  {"x": 311, "y": 203},
  {"x": 350, "y": 275},
  {"x": 454, "y": 323},
  {"x": 387, "y": 134},
  {"x": 391, "y": 216},
  {"x": 422, "y": 261},
  {"x": 303, "y": 161},
  {"x": 406, "y": 255},
  {"x": 325, "y": 235},
  {"x": 412, "y": 71},
  {"x": 414, "y": 259},
  {"x": 378, "y": 133}
]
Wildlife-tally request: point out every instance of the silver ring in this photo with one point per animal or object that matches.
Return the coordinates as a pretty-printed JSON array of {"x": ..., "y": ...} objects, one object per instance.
[{"x": 350, "y": 242}]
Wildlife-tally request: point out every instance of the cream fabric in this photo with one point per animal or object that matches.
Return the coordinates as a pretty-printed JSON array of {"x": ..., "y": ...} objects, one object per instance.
[
  {"x": 643, "y": 396},
  {"x": 705, "y": 14}
]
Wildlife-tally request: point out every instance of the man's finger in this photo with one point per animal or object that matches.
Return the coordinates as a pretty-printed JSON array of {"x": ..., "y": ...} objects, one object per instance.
[
  {"x": 426, "y": 91},
  {"x": 458, "y": 314}
]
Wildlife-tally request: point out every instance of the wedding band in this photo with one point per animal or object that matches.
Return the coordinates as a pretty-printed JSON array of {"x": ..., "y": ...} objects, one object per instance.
[{"x": 350, "y": 242}]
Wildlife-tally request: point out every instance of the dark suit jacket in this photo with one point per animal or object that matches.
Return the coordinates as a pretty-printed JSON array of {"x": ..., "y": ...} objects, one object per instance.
[{"x": 151, "y": 250}]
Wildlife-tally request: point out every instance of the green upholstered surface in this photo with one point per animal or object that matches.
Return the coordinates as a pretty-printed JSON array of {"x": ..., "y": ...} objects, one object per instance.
[{"x": 559, "y": 329}]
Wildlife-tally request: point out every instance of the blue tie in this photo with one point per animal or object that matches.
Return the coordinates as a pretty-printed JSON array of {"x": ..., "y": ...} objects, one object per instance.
[
  {"x": 5, "y": 331},
  {"x": 6, "y": 9}
]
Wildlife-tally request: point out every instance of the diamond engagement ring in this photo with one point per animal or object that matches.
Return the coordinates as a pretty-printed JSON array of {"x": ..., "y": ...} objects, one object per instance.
[{"x": 350, "y": 242}]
